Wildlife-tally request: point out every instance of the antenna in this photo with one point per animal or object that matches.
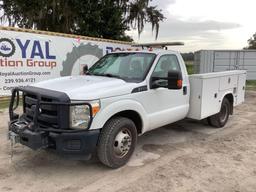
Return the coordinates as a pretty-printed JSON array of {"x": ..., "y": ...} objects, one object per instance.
[{"x": 162, "y": 45}]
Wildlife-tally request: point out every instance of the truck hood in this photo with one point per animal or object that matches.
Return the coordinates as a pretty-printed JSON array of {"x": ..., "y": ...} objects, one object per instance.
[{"x": 88, "y": 87}]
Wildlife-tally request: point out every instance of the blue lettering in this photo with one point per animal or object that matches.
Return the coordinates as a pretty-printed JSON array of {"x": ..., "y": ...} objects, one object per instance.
[
  {"x": 23, "y": 47},
  {"x": 37, "y": 50},
  {"x": 118, "y": 49},
  {"x": 109, "y": 50},
  {"x": 47, "y": 53}
]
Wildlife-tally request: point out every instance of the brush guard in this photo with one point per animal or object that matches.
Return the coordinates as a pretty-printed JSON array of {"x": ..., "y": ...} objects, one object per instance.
[{"x": 70, "y": 142}]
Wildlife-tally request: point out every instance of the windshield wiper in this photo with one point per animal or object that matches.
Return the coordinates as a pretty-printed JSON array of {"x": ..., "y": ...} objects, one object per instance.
[
  {"x": 104, "y": 74},
  {"x": 88, "y": 73},
  {"x": 111, "y": 75}
]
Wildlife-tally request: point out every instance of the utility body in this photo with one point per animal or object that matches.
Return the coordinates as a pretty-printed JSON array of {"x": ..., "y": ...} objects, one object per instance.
[{"x": 123, "y": 95}]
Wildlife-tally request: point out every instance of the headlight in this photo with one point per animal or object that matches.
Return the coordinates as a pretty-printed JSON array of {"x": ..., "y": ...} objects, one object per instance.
[{"x": 80, "y": 114}]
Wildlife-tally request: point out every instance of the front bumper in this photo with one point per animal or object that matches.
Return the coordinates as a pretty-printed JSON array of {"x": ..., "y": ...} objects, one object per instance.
[
  {"x": 75, "y": 144},
  {"x": 49, "y": 129}
]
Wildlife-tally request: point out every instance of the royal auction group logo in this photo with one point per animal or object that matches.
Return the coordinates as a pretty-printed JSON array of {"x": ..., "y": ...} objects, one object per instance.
[
  {"x": 7, "y": 47},
  {"x": 29, "y": 53}
]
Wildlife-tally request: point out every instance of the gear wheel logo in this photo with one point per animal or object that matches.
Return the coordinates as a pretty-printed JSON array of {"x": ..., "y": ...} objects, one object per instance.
[
  {"x": 7, "y": 47},
  {"x": 78, "y": 52}
]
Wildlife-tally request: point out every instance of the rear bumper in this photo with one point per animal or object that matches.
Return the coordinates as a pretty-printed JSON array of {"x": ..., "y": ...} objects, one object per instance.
[{"x": 78, "y": 145}]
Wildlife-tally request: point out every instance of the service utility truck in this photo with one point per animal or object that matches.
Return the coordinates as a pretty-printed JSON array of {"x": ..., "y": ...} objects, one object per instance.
[{"x": 123, "y": 95}]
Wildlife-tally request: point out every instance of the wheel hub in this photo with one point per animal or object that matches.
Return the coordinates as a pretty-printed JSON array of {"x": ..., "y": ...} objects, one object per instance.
[{"x": 122, "y": 143}]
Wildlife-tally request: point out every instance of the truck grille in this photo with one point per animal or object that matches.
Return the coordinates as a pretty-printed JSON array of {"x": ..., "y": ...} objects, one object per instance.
[{"x": 48, "y": 114}]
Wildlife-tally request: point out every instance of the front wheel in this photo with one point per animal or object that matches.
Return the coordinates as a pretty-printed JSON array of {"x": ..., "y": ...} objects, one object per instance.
[
  {"x": 220, "y": 119},
  {"x": 117, "y": 142}
]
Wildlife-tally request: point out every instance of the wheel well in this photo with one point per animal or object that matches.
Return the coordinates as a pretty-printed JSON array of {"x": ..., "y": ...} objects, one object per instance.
[
  {"x": 231, "y": 100},
  {"x": 134, "y": 116}
]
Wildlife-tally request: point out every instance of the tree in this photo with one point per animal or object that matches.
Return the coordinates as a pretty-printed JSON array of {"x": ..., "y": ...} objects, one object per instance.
[
  {"x": 252, "y": 42},
  {"x": 188, "y": 56},
  {"x": 97, "y": 18},
  {"x": 141, "y": 13}
]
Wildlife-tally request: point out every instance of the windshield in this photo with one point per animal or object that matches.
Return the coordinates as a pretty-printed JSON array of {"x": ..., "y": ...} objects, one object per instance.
[{"x": 127, "y": 66}]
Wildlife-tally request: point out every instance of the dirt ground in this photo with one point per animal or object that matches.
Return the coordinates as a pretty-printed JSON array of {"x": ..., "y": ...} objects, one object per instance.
[{"x": 185, "y": 156}]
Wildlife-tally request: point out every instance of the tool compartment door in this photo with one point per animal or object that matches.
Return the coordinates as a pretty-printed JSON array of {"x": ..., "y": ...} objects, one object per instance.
[
  {"x": 228, "y": 82},
  {"x": 204, "y": 97},
  {"x": 241, "y": 89}
]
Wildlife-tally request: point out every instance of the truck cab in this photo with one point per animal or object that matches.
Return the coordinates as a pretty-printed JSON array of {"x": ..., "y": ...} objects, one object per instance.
[
  {"x": 145, "y": 89},
  {"x": 123, "y": 95}
]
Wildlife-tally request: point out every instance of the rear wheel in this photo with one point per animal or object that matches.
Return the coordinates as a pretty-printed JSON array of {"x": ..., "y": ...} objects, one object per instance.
[
  {"x": 117, "y": 142},
  {"x": 220, "y": 119}
]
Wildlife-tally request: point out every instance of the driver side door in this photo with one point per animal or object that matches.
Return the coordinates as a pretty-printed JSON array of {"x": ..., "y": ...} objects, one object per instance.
[{"x": 163, "y": 105}]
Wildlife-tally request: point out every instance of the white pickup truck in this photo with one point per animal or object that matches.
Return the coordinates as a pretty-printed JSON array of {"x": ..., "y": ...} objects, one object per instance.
[{"x": 123, "y": 95}]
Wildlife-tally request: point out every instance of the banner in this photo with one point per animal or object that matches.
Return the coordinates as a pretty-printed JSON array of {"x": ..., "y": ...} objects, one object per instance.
[{"x": 27, "y": 58}]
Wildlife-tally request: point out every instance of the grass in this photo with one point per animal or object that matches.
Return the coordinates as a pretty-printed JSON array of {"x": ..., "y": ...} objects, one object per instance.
[
  {"x": 190, "y": 67},
  {"x": 251, "y": 85},
  {"x": 4, "y": 104}
]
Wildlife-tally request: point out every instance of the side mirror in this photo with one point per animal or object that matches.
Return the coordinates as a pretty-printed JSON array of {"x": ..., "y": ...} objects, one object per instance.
[
  {"x": 157, "y": 82},
  {"x": 85, "y": 69},
  {"x": 174, "y": 80}
]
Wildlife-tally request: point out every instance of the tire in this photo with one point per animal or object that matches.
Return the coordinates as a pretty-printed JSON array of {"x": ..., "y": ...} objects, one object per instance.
[
  {"x": 13, "y": 49},
  {"x": 113, "y": 137},
  {"x": 209, "y": 121},
  {"x": 76, "y": 53},
  {"x": 220, "y": 119}
]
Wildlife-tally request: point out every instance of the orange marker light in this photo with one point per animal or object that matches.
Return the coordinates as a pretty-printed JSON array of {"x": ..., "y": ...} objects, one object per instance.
[
  {"x": 95, "y": 110},
  {"x": 179, "y": 83}
]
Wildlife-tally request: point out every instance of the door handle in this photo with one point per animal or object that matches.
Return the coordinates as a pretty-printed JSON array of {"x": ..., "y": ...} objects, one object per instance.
[{"x": 185, "y": 90}]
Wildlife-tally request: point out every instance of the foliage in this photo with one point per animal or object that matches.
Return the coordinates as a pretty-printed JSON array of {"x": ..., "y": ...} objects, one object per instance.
[
  {"x": 251, "y": 85},
  {"x": 98, "y": 18},
  {"x": 190, "y": 69},
  {"x": 3, "y": 105},
  {"x": 140, "y": 13},
  {"x": 188, "y": 56},
  {"x": 252, "y": 42}
]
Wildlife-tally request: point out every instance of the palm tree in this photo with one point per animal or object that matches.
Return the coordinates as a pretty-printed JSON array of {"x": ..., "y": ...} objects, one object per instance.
[
  {"x": 140, "y": 13},
  {"x": 252, "y": 42}
]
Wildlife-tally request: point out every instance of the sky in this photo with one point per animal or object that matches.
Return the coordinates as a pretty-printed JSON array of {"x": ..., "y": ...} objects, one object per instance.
[{"x": 203, "y": 24}]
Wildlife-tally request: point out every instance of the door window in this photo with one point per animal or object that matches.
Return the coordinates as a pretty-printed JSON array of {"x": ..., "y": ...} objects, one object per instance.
[{"x": 166, "y": 63}]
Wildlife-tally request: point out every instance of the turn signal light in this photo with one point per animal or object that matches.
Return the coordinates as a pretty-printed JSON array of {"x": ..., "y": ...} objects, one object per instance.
[{"x": 95, "y": 109}]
